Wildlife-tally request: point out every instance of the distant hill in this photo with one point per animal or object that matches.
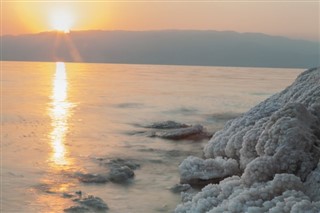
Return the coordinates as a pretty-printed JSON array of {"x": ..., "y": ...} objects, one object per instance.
[{"x": 177, "y": 47}]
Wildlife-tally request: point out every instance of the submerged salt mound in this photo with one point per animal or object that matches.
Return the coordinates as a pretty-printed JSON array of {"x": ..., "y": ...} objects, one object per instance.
[
  {"x": 119, "y": 171},
  {"x": 96, "y": 203},
  {"x": 86, "y": 203},
  {"x": 178, "y": 188},
  {"x": 92, "y": 178},
  {"x": 77, "y": 209},
  {"x": 119, "y": 162},
  {"x": 166, "y": 125},
  {"x": 192, "y": 132},
  {"x": 276, "y": 144},
  {"x": 120, "y": 174},
  {"x": 174, "y": 131}
]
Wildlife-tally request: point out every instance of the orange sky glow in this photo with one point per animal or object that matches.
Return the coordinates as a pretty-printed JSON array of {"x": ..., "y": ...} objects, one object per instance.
[{"x": 294, "y": 19}]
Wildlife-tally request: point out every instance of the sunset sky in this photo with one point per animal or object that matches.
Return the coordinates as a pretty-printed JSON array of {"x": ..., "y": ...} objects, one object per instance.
[{"x": 293, "y": 19}]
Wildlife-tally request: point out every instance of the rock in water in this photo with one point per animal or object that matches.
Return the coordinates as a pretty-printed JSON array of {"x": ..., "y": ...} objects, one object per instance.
[
  {"x": 196, "y": 131},
  {"x": 95, "y": 203},
  {"x": 91, "y": 178},
  {"x": 196, "y": 171},
  {"x": 277, "y": 147},
  {"x": 178, "y": 188},
  {"x": 85, "y": 203},
  {"x": 167, "y": 125},
  {"x": 121, "y": 170},
  {"x": 119, "y": 162},
  {"x": 120, "y": 174},
  {"x": 77, "y": 209},
  {"x": 176, "y": 131}
]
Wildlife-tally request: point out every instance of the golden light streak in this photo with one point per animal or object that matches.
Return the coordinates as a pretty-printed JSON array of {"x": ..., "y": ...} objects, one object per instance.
[
  {"x": 75, "y": 54},
  {"x": 59, "y": 113},
  {"x": 65, "y": 40}
]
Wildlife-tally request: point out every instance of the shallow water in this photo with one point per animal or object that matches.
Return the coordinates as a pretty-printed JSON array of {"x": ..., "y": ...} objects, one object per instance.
[{"x": 63, "y": 118}]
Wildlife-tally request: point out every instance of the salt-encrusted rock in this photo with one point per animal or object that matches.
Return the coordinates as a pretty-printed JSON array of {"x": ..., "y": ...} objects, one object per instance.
[
  {"x": 178, "y": 188},
  {"x": 282, "y": 194},
  {"x": 93, "y": 202},
  {"x": 312, "y": 184},
  {"x": 286, "y": 145},
  {"x": 196, "y": 132},
  {"x": 92, "y": 178},
  {"x": 174, "y": 131},
  {"x": 120, "y": 174},
  {"x": 196, "y": 171},
  {"x": 85, "y": 203},
  {"x": 238, "y": 138},
  {"x": 166, "y": 125},
  {"x": 119, "y": 162},
  {"x": 119, "y": 171},
  {"x": 76, "y": 209},
  {"x": 277, "y": 145}
]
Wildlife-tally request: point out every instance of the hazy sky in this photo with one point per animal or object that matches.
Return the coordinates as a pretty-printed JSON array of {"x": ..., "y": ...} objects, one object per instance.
[{"x": 294, "y": 19}]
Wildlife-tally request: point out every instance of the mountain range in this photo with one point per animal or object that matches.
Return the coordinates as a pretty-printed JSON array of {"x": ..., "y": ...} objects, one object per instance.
[{"x": 173, "y": 47}]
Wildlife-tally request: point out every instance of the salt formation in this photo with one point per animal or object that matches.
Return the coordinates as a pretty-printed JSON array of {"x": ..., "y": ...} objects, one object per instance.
[
  {"x": 91, "y": 178},
  {"x": 87, "y": 203},
  {"x": 196, "y": 171},
  {"x": 176, "y": 131},
  {"x": 166, "y": 125},
  {"x": 178, "y": 188},
  {"x": 120, "y": 174},
  {"x": 120, "y": 171},
  {"x": 95, "y": 203},
  {"x": 276, "y": 146},
  {"x": 119, "y": 162},
  {"x": 196, "y": 131},
  {"x": 76, "y": 209}
]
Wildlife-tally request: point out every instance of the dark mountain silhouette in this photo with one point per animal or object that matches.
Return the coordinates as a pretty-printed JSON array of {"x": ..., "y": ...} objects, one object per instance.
[{"x": 177, "y": 47}]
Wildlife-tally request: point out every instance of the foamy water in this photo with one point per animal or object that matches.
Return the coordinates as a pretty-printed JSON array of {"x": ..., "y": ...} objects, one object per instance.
[{"x": 62, "y": 118}]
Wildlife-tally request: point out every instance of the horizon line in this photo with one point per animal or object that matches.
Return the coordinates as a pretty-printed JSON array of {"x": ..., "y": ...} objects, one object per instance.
[{"x": 163, "y": 30}]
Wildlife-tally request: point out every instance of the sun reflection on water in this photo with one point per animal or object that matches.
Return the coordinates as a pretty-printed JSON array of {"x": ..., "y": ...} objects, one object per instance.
[{"x": 59, "y": 113}]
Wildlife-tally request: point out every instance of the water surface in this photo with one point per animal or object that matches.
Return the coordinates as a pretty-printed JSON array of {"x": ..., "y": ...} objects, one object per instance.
[{"x": 61, "y": 118}]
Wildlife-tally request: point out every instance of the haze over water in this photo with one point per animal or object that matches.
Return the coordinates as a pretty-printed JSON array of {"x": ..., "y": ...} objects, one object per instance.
[{"x": 61, "y": 118}]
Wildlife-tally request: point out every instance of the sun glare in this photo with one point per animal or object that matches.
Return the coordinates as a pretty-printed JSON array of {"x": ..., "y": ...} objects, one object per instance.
[
  {"x": 59, "y": 113},
  {"x": 62, "y": 21}
]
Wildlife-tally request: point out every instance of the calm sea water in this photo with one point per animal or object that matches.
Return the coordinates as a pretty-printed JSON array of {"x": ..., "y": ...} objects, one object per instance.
[{"x": 61, "y": 118}]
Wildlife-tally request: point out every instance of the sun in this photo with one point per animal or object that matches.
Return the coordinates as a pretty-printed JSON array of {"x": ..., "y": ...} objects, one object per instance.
[{"x": 62, "y": 21}]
